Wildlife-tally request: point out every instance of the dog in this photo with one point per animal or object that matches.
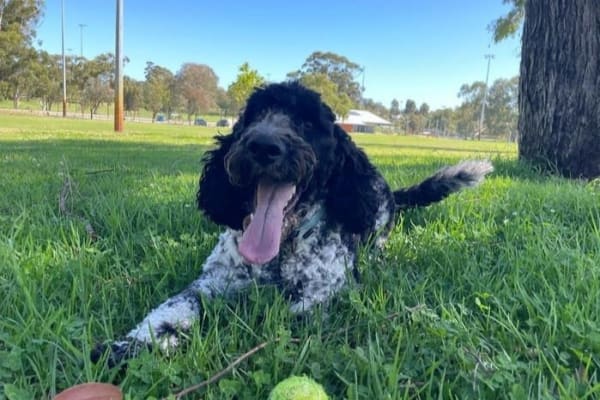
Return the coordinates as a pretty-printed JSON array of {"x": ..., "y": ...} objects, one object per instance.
[{"x": 297, "y": 199}]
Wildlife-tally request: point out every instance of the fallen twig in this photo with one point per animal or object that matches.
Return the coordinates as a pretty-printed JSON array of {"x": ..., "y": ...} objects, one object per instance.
[
  {"x": 227, "y": 369},
  {"x": 66, "y": 193},
  {"x": 247, "y": 355}
]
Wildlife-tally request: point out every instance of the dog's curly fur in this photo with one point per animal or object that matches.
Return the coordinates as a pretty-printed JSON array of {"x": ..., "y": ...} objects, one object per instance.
[{"x": 287, "y": 135}]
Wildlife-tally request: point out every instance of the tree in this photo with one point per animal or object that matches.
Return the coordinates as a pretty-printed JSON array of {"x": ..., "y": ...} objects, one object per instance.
[
  {"x": 467, "y": 114},
  {"x": 197, "y": 85},
  {"x": 47, "y": 79},
  {"x": 559, "y": 101},
  {"x": 509, "y": 24},
  {"x": 88, "y": 78},
  {"x": 97, "y": 90},
  {"x": 339, "y": 102},
  {"x": 410, "y": 107},
  {"x": 21, "y": 16},
  {"x": 424, "y": 109},
  {"x": 375, "y": 107},
  {"x": 132, "y": 94},
  {"x": 472, "y": 93},
  {"x": 442, "y": 121},
  {"x": 18, "y": 19},
  {"x": 246, "y": 81},
  {"x": 502, "y": 110},
  {"x": 224, "y": 102},
  {"x": 394, "y": 110},
  {"x": 337, "y": 68},
  {"x": 413, "y": 121},
  {"x": 158, "y": 89},
  {"x": 465, "y": 120}
]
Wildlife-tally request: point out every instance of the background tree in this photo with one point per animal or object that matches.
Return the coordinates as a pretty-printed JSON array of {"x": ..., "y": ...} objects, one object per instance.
[
  {"x": 339, "y": 102},
  {"x": 502, "y": 110},
  {"x": 375, "y": 107},
  {"x": 394, "y": 110},
  {"x": 132, "y": 94},
  {"x": 410, "y": 107},
  {"x": 47, "y": 80},
  {"x": 465, "y": 120},
  {"x": 18, "y": 20},
  {"x": 158, "y": 89},
  {"x": 224, "y": 102},
  {"x": 338, "y": 70},
  {"x": 424, "y": 109},
  {"x": 246, "y": 81},
  {"x": 413, "y": 122},
  {"x": 467, "y": 114},
  {"x": 20, "y": 15},
  {"x": 97, "y": 90},
  {"x": 197, "y": 85},
  {"x": 509, "y": 24},
  {"x": 442, "y": 121},
  {"x": 89, "y": 77},
  {"x": 559, "y": 101}
]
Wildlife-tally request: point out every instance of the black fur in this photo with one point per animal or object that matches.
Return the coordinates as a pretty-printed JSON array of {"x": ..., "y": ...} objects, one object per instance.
[
  {"x": 343, "y": 176},
  {"x": 440, "y": 185},
  {"x": 222, "y": 202}
]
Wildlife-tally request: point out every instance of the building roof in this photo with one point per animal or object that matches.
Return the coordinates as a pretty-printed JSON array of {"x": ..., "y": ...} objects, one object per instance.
[{"x": 363, "y": 117}]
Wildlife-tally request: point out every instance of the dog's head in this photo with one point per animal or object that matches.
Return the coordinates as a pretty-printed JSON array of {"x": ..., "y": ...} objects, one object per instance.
[{"x": 284, "y": 151}]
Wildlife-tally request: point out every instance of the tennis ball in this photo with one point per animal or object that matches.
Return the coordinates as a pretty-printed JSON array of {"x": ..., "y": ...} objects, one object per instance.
[{"x": 298, "y": 388}]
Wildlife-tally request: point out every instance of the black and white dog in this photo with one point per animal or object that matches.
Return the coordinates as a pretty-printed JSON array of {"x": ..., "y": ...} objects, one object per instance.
[{"x": 297, "y": 197}]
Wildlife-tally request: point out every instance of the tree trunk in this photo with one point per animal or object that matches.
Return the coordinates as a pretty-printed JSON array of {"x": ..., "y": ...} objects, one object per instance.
[
  {"x": 16, "y": 98},
  {"x": 559, "y": 93}
]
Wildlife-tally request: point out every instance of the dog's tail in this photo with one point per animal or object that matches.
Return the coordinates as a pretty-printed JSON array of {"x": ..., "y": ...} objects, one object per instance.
[{"x": 443, "y": 183}]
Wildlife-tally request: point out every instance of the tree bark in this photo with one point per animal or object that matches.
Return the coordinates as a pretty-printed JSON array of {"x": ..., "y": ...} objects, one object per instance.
[
  {"x": 559, "y": 93},
  {"x": 16, "y": 98}
]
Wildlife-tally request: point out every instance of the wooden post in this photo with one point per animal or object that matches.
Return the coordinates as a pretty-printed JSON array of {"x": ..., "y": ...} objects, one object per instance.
[
  {"x": 119, "y": 115},
  {"x": 64, "y": 62}
]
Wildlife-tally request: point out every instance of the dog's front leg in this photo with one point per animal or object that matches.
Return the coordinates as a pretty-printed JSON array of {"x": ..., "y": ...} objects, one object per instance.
[
  {"x": 318, "y": 268},
  {"x": 223, "y": 272}
]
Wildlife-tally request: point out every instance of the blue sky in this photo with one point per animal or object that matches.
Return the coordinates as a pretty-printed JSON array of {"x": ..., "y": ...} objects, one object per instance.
[{"x": 423, "y": 50}]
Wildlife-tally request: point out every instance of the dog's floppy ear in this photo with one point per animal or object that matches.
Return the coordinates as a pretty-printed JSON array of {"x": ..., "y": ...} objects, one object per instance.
[
  {"x": 222, "y": 202},
  {"x": 352, "y": 196}
]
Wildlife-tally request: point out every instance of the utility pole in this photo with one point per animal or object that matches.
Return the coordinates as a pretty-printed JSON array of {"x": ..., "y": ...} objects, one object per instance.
[
  {"x": 119, "y": 115},
  {"x": 485, "y": 94},
  {"x": 64, "y": 63},
  {"x": 81, "y": 26}
]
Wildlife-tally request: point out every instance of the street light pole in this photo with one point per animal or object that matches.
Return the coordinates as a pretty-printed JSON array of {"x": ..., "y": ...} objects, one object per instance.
[
  {"x": 485, "y": 94},
  {"x": 81, "y": 26},
  {"x": 64, "y": 63},
  {"x": 119, "y": 115}
]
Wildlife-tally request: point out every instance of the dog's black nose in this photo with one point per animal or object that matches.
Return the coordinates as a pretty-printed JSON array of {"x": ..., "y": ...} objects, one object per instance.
[{"x": 265, "y": 148}]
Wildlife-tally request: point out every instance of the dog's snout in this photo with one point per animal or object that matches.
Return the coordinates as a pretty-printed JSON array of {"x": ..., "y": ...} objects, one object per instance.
[{"x": 266, "y": 148}]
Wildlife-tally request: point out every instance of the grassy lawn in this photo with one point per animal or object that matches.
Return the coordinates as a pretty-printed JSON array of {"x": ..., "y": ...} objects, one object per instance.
[
  {"x": 105, "y": 111},
  {"x": 493, "y": 293}
]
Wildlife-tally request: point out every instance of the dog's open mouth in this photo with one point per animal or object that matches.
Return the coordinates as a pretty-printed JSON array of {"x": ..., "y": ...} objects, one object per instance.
[{"x": 264, "y": 228}]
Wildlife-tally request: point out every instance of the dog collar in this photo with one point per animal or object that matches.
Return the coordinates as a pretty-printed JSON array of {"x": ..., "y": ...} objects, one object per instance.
[{"x": 310, "y": 221}]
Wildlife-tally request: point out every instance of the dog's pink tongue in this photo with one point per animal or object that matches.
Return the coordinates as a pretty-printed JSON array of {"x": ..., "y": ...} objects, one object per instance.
[{"x": 260, "y": 241}]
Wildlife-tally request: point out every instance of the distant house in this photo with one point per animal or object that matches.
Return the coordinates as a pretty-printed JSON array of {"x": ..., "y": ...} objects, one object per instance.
[{"x": 362, "y": 121}]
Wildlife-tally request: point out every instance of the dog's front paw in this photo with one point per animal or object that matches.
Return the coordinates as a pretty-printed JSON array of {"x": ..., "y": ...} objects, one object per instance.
[{"x": 116, "y": 353}]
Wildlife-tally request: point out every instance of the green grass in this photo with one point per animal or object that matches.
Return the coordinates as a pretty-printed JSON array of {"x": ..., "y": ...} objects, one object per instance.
[
  {"x": 493, "y": 293},
  {"x": 7, "y": 106}
]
